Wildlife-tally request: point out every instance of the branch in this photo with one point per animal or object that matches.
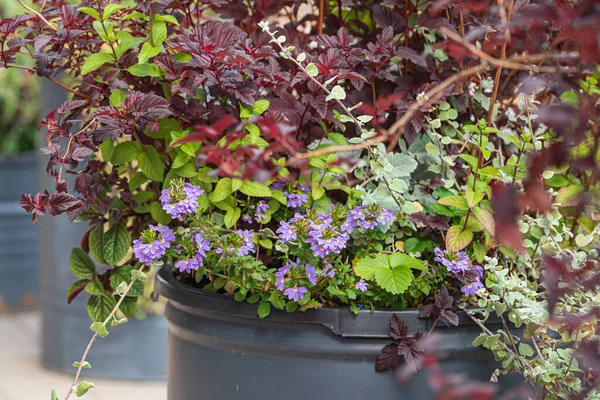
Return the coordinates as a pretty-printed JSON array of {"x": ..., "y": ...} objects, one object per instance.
[
  {"x": 95, "y": 336},
  {"x": 39, "y": 14},
  {"x": 62, "y": 85}
]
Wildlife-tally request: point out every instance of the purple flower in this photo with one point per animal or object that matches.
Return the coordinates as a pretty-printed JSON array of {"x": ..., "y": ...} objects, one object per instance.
[
  {"x": 361, "y": 285},
  {"x": 470, "y": 288},
  {"x": 187, "y": 265},
  {"x": 247, "y": 246},
  {"x": 304, "y": 188},
  {"x": 311, "y": 274},
  {"x": 348, "y": 225},
  {"x": 247, "y": 218},
  {"x": 203, "y": 246},
  {"x": 281, "y": 273},
  {"x": 261, "y": 209},
  {"x": 286, "y": 232},
  {"x": 367, "y": 217},
  {"x": 455, "y": 262},
  {"x": 328, "y": 271},
  {"x": 295, "y": 293},
  {"x": 153, "y": 243},
  {"x": 180, "y": 199},
  {"x": 325, "y": 240},
  {"x": 296, "y": 200},
  {"x": 277, "y": 185}
]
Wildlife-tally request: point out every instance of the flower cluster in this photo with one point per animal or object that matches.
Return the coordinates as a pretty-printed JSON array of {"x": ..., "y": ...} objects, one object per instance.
[
  {"x": 460, "y": 266},
  {"x": 180, "y": 199},
  {"x": 293, "y": 273},
  {"x": 367, "y": 217},
  {"x": 153, "y": 243}
]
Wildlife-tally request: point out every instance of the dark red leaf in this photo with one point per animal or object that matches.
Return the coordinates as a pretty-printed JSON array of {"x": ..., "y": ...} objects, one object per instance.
[
  {"x": 398, "y": 329},
  {"x": 388, "y": 359}
]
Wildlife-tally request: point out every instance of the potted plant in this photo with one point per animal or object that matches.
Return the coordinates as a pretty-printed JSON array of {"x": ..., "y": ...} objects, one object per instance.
[
  {"x": 325, "y": 189},
  {"x": 18, "y": 245}
]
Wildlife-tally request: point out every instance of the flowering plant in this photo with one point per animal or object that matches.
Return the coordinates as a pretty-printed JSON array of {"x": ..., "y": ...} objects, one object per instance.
[{"x": 356, "y": 153}]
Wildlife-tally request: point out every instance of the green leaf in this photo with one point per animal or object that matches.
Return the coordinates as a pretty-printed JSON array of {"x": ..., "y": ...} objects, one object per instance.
[
  {"x": 222, "y": 190},
  {"x": 83, "y": 388},
  {"x": 457, "y": 239},
  {"x": 151, "y": 164},
  {"x": 110, "y": 9},
  {"x": 489, "y": 172},
  {"x": 260, "y": 107},
  {"x": 53, "y": 395},
  {"x": 94, "y": 61},
  {"x": 525, "y": 350},
  {"x": 90, "y": 11},
  {"x": 123, "y": 274},
  {"x": 147, "y": 52},
  {"x": 570, "y": 98},
  {"x": 96, "y": 243},
  {"x": 95, "y": 287},
  {"x": 126, "y": 42},
  {"x": 81, "y": 264},
  {"x": 126, "y": 152},
  {"x": 116, "y": 97},
  {"x": 137, "y": 15},
  {"x": 139, "y": 275},
  {"x": 395, "y": 280},
  {"x": 167, "y": 18},
  {"x": 312, "y": 70},
  {"x": 86, "y": 365},
  {"x": 337, "y": 93},
  {"x": 266, "y": 243},
  {"x": 181, "y": 159},
  {"x": 99, "y": 328},
  {"x": 337, "y": 138},
  {"x": 473, "y": 198},
  {"x": 143, "y": 70},
  {"x": 454, "y": 201},
  {"x": 137, "y": 180},
  {"x": 256, "y": 189},
  {"x": 159, "y": 32},
  {"x": 367, "y": 266},
  {"x": 76, "y": 285},
  {"x": 232, "y": 216},
  {"x": 117, "y": 241},
  {"x": 400, "y": 259},
  {"x": 186, "y": 171},
  {"x": 264, "y": 308},
  {"x": 100, "y": 307},
  {"x": 106, "y": 149},
  {"x": 317, "y": 192},
  {"x": 568, "y": 195},
  {"x": 128, "y": 306},
  {"x": 158, "y": 214},
  {"x": 486, "y": 218},
  {"x": 469, "y": 159},
  {"x": 403, "y": 165}
]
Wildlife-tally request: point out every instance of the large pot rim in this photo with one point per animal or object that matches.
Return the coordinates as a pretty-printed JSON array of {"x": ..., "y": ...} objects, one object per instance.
[{"x": 339, "y": 320}]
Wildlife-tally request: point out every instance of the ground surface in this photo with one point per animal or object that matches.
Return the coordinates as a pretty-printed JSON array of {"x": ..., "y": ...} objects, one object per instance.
[{"x": 22, "y": 376}]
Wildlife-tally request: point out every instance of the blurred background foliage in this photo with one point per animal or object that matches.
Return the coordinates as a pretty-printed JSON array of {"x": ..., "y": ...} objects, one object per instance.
[{"x": 19, "y": 101}]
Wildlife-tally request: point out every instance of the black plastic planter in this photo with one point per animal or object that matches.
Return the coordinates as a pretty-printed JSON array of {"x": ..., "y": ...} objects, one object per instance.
[
  {"x": 18, "y": 238},
  {"x": 220, "y": 349}
]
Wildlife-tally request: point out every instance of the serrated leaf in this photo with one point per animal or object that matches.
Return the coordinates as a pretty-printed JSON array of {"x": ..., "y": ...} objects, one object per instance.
[
  {"x": 400, "y": 259},
  {"x": 100, "y": 307},
  {"x": 126, "y": 152},
  {"x": 151, "y": 164},
  {"x": 167, "y": 18},
  {"x": 454, "y": 201},
  {"x": 366, "y": 267},
  {"x": 122, "y": 275},
  {"x": 95, "y": 287},
  {"x": 128, "y": 306},
  {"x": 489, "y": 172},
  {"x": 222, "y": 190},
  {"x": 232, "y": 216},
  {"x": 457, "y": 239},
  {"x": 180, "y": 160},
  {"x": 158, "y": 214},
  {"x": 473, "y": 198},
  {"x": 260, "y": 106},
  {"x": 144, "y": 70},
  {"x": 264, "y": 308},
  {"x": 96, "y": 243},
  {"x": 159, "y": 32},
  {"x": 110, "y": 9},
  {"x": 126, "y": 42},
  {"x": 90, "y": 11},
  {"x": 94, "y": 61},
  {"x": 117, "y": 241},
  {"x": 568, "y": 196},
  {"x": 106, "y": 150},
  {"x": 394, "y": 280},
  {"x": 147, "y": 52},
  {"x": 255, "y": 189},
  {"x": 116, "y": 97},
  {"x": 81, "y": 264},
  {"x": 486, "y": 218}
]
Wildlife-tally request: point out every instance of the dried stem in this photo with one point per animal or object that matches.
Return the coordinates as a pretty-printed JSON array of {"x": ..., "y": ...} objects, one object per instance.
[
  {"x": 54, "y": 28},
  {"x": 33, "y": 71}
]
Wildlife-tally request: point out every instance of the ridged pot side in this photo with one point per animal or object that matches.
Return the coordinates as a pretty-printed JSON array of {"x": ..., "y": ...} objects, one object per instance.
[{"x": 219, "y": 348}]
